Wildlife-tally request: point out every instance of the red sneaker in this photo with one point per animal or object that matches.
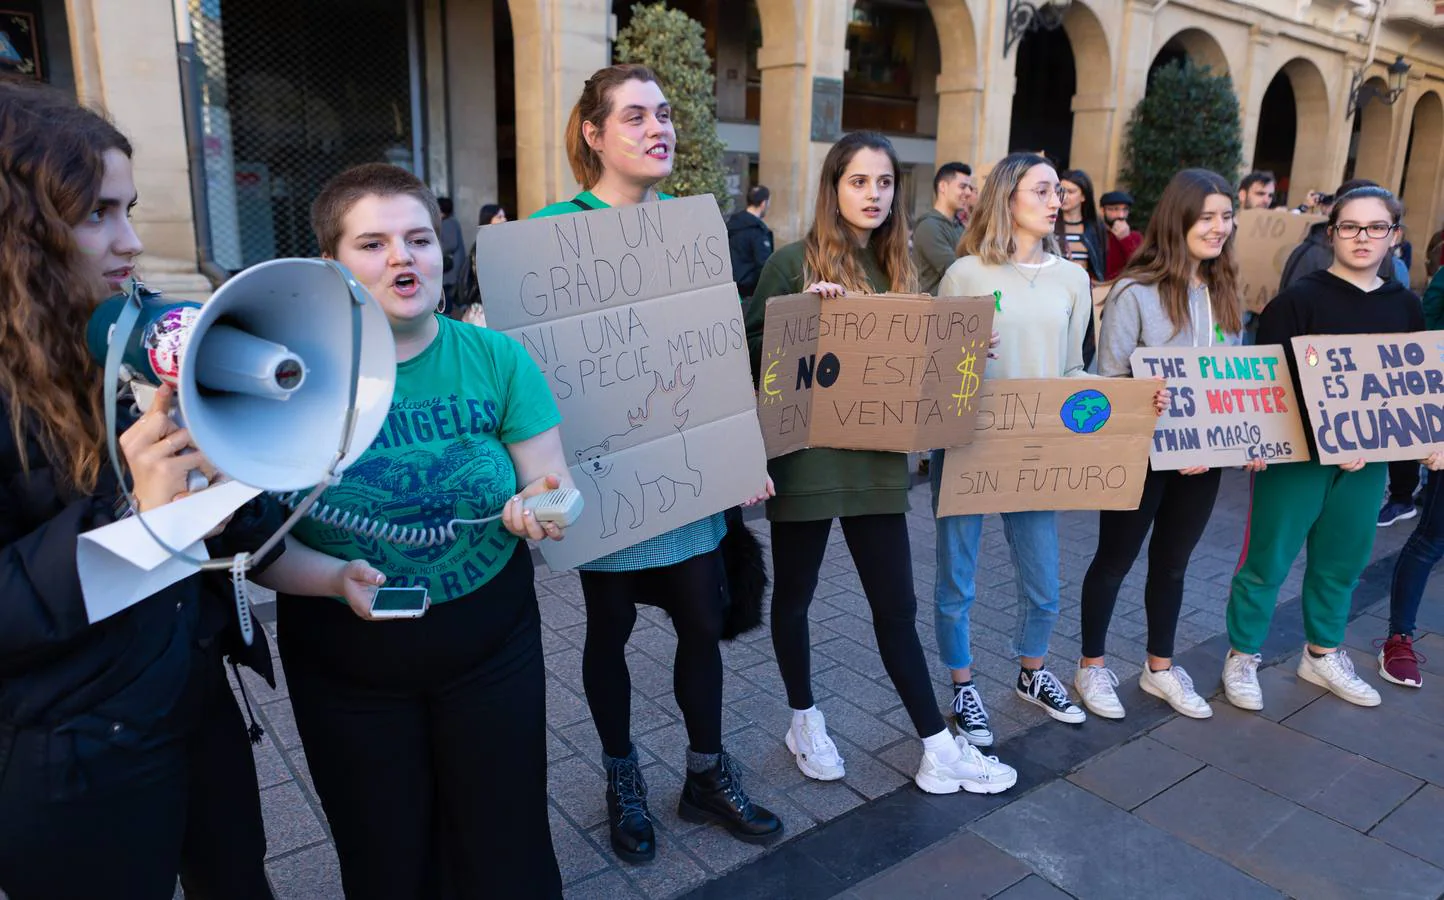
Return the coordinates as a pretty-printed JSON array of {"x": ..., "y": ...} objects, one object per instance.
[{"x": 1398, "y": 662}]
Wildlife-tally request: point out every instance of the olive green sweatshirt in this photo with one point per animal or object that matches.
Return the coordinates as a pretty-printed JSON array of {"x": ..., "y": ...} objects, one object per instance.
[{"x": 824, "y": 483}]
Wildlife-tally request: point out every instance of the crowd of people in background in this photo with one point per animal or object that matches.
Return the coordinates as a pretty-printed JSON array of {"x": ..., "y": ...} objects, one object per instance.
[{"x": 121, "y": 745}]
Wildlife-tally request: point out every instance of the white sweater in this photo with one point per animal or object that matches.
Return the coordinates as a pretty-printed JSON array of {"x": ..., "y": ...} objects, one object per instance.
[{"x": 1041, "y": 326}]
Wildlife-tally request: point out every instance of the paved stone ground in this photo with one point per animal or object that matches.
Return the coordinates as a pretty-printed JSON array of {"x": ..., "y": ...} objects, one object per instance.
[{"x": 874, "y": 735}]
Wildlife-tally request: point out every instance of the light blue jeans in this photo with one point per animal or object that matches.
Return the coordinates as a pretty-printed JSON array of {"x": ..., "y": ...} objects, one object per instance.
[{"x": 1033, "y": 540}]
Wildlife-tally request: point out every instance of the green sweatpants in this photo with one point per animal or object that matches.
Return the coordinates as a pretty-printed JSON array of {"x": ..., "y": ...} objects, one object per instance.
[{"x": 1336, "y": 513}]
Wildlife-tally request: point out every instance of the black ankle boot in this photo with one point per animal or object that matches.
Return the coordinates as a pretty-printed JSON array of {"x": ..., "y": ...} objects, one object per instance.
[
  {"x": 630, "y": 821},
  {"x": 717, "y": 796}
]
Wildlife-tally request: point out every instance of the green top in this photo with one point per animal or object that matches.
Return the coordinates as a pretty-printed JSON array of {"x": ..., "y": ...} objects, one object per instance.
[
  {"x": 1434, "y": 302},
  {"x": 670, "y": 547},
  {"x": 935, "y": 247},
  {"x": 824, "y": 483},
  {"x": 440, "y": 456}
]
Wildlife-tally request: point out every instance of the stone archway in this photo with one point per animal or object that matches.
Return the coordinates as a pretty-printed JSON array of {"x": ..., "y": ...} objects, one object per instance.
[
  {"x": 784, "y": 141},
  {"x": 1197, "y": 45},
  {"x": 1373, "y": 132},
  {"x": 1302, "y": 163},
  {"x": 1094, "y": 101},
  {"x": 1424, "y": 172},
  {"x": 960, "y": 85}
]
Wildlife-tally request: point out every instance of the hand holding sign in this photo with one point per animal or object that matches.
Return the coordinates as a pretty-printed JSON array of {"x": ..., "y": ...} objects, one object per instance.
[{"x": 826, "y": 289}]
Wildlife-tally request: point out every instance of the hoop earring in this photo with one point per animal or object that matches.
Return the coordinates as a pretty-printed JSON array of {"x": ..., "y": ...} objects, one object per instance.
[{"x": 441, "y": 307}]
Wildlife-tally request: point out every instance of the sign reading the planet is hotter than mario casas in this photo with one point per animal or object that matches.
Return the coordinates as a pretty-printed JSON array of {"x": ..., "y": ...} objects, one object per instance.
[{"x": 1053, "y": 443}]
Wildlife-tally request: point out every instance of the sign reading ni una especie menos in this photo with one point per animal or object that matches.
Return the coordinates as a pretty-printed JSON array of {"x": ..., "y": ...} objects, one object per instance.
[
  {"x": 1375, "y": 397},
  {"x": 1229, "y": 405},
  {"x": 1052, "y": 443},
  {"x": 632, "y": 315},
  {"x": 893, "y": 372}
]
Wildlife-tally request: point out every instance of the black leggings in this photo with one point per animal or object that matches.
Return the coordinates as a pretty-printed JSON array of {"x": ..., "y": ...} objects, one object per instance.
[
  {"x": 426, "y": 740},
  {"x": 880, "y": 551},
  {"x": 1177, "y": 507},
  {"x": 694, "y": 593}
]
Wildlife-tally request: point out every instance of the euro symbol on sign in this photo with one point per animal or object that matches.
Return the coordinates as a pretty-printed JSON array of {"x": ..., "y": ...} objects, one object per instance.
[{"x": 968, "y": 384}]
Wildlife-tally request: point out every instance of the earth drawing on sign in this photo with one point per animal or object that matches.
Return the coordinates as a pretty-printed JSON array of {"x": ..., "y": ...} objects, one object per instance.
[{"x": 1085, "y": 412}]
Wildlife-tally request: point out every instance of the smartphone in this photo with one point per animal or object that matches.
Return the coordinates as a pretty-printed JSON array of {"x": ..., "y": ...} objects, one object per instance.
[{"x": 400, "y": 602}]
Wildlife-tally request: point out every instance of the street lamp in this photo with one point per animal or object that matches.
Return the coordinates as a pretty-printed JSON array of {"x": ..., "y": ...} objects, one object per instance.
[
  {"x": 1360, "y": 93},
  {"x": 1025, "y": 16}
]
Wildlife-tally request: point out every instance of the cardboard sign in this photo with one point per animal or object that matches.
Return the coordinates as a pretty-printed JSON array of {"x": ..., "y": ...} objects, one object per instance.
[
  {"x": 632, "y": 315},
  {"x": 1053, "y": 443},
  {"x": 872, "y": 372},
  {"x": 1229, "y": 405},
  {"x": 1375, "y": 397},
  {"x": 1262, "y": 242}
]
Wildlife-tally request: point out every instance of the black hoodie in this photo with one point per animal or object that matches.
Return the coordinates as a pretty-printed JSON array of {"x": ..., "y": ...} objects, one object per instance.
[
  {"x": 751, "y": 243},
  {"x": 1323, "y": 303}
]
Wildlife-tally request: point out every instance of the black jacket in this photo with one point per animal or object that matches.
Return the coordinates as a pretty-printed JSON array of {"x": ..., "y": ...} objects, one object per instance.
[
  {"x": 56, "y": 669},
  {"x": 751, "y": 243}
]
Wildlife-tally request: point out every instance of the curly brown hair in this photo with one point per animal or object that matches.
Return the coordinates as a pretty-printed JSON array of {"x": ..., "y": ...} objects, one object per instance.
[{"x": 51, "y": 168}]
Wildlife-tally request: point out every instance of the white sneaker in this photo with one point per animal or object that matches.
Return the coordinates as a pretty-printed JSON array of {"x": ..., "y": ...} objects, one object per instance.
[
  {"x": 1335, "y": 671},
  {"x": 1095, "y": 686},
  {"x": 814, "y": 751},
  {"x": 1240, "y": 680},
  {"x": 1174, "y": 687},
  {"x": 970, "y": 771}
]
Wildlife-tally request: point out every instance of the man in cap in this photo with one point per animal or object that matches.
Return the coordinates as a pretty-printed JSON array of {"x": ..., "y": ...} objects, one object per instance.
[{"x": 1122, "y": 239}]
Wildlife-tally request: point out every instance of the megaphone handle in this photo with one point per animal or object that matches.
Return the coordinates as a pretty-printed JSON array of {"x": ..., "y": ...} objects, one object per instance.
[{"x": 243, "y": 597}]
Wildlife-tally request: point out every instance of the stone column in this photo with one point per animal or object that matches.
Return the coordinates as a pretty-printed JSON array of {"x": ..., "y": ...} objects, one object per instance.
[
  {"x": 471, "y": 98},
  {"x": 126, "y": 64},
  {"x": 959, "y": 85}
]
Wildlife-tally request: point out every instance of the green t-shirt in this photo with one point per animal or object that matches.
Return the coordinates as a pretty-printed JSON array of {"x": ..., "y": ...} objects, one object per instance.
[{"x": 440, "y": 456}]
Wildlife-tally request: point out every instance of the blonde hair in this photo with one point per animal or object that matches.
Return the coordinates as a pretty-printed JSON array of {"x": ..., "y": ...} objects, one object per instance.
[
  {"x": 827, "y": 254},
  {"x": 990, "y": 230},
  {"x": 594, "y": 105}
]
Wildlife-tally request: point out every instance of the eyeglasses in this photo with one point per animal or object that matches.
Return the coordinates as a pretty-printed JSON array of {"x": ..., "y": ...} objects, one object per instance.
[
  {"x": 1375, "y": 230},
  {"x": 1043, "y": 192}
]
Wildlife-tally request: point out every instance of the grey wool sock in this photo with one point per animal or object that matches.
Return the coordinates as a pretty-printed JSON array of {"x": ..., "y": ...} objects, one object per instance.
[{"x": 702, "y": 762}]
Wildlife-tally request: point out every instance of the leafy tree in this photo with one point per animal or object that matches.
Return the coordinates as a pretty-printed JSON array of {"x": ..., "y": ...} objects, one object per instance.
[
  {"x": 672, "y": 44},
  {"x": 1188, "y": 119}
]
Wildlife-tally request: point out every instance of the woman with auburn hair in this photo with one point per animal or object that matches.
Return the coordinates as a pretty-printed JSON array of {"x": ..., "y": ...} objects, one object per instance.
[
  {"x": 1042, "y": 309},
  {"x": 123, "y": 755},
  {"x": 858, "y": 243},
  {"x": 1180, "y": 289},
  {"x": 620, "y": 141}
]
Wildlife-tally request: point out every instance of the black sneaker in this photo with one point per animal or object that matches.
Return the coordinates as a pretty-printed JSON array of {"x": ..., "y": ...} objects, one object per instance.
[
  {"x": 1042, "y": 688},
  {"x": 969, "y": 717},
  {"x": 1396, "y": 512},
  {"x": 631, "y": 822},
  {"x": 717, "y": 796}
]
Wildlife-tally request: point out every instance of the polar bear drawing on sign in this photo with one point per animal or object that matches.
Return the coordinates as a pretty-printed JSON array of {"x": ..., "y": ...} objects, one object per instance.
[{"x": 625, "y": 479}]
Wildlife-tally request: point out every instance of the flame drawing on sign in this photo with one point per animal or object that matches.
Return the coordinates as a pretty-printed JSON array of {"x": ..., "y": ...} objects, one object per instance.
[
  {"x": 1311, "y": 356},
  {"x": 769, "y": 376},
  {"x": 969, "y": 380}
]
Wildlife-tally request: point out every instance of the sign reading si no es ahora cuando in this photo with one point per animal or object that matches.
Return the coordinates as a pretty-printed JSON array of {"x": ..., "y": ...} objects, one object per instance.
[
  {"x": 632, "y": 315},
  {"x": 1376, "y": 397},
  {"x": 1052, "y": 443},
  {"x": 872, "y": 372},
  {"x": 1229, "y": 405}
]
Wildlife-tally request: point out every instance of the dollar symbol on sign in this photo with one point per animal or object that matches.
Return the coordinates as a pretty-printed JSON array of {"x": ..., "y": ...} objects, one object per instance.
[{"x": 968, "y": 384}]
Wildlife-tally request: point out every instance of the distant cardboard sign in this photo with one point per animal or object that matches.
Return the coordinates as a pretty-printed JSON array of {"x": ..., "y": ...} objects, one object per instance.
[
  {"x": 1053, "y": 443},
  {"x": 1230, "y": 405},
  {"x": 1375, "y": 397},
  {"x": 632, "y": 315},
  {"x": 894, "y": 372},
  {"x": 1262, "y": 242}
]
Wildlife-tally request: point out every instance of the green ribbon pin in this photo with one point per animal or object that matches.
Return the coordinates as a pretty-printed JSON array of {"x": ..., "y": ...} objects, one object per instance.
[
  {"x": 997, "y": 301},
  {"x": 1218, "y": 332}
]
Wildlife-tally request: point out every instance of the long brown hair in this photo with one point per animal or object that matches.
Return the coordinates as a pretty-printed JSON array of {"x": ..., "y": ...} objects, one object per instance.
[
  {"x": 1163, "y": 258},
  {"x": 829, "y": 244},
  {"x": 51, "y": 168},
  {"x": 594, "y": 105},
  {"x": 990, "y": 229}
]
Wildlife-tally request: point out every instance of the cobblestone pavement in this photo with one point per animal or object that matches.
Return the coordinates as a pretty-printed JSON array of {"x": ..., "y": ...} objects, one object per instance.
[{"x": 864, "y": 715}]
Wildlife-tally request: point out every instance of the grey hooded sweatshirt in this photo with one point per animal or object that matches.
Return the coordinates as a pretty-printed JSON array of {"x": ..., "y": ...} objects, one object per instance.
[{"x": 1133, "y": 317}]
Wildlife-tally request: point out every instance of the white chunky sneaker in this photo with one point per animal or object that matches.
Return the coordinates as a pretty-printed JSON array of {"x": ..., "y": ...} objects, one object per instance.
[
  {"x": 1335, "y": 671},
  {"x": 1095, "y": 686},
  {"x": 969, "y": 716},
  {"x": 1240, "y": 680},
  {"x": 970, "y": 771},
  {"x": 1174, "y": 687},
  {"x": 814, "y": 751}
]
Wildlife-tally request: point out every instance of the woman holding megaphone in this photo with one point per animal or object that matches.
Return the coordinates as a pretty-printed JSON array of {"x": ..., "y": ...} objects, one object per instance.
[
  {"x": 123, "y": 755},
  {"x": 426, "y": 736}
]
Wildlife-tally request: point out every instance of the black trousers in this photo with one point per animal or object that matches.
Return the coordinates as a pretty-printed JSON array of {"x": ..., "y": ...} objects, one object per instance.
[
  {"x": 883, "y": 557},
  {"x": 1403, "y": 481},
  {"x": 694, "y": 594},
  {"x": 93, "y": 811},
  {"x": 1177, "y": 508},
  {"x": 426, "y": 739}
]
